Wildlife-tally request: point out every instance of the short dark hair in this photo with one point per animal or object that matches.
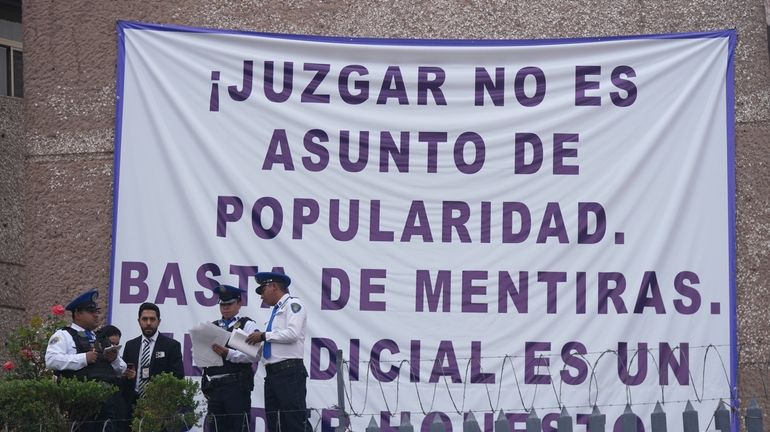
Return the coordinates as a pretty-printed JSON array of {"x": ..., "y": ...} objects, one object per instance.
[
  {"x": 149, "y": 306},
  {"x": 108, "y": 330}
]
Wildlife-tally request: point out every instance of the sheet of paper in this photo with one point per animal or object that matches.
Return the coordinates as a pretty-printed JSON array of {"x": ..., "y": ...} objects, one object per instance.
[
  {"x": 203, "y": 336},
  {"x": 238, "y": 341}
]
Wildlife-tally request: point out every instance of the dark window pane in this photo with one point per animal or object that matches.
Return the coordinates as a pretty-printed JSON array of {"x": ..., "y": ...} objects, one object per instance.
[
  {"x": 18, "y": 73},
  {"x": 11, "y": 30},
  {"x": 10, "y": 10},
  {"x": 4, "y": 71}
]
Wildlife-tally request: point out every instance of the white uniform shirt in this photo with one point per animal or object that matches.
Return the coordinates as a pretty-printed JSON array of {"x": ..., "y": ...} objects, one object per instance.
[
  {"x": 61, "y": 353},
  {"x": 287, "y": 334}
]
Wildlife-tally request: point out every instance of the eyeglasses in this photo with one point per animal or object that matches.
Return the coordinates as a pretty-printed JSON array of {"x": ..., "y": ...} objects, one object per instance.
[{"x": 267, "y": 285}]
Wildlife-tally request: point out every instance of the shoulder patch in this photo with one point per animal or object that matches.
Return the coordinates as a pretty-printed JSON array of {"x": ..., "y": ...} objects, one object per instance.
[
  {"x": 296, "y": 307},
  {"x": 53, "y": 340}
]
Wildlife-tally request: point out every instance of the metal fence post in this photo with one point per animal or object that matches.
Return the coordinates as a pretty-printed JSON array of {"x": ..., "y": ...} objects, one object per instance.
[
  {"x": 534, "y": 424},
  {"x": 437, "y": 425},
  {"x": 658, "y": 419},
  {"x": 501, "y": 424},
  {"x": 596, "y": 421},
  {"x": 722, "y": 417},
  {"x": 754, "y": 417},
  {"x": 628, "y": 420},
  {"x": 564, "y": 422},
  {"x": 406, "y": 423},
  {"x": 470, "y": 424},
  {"x": 344, "y": 420},
  {"x": 372, "y": 427},
  {"x": 690, "y": 418}
]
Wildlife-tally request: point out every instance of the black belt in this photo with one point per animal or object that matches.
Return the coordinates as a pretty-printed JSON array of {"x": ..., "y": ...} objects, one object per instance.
[
  {"x": 224, "y": 379},
  {"x": 285, "y": 364},
  {"x": 229, "y": 376}
]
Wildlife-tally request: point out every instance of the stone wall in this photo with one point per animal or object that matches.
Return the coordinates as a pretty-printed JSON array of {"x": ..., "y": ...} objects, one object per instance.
[{"x": 12, "y": 298}]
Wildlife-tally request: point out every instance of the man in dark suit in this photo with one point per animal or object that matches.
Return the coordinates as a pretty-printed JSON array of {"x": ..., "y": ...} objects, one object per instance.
[{"x": 149, "y": 354}]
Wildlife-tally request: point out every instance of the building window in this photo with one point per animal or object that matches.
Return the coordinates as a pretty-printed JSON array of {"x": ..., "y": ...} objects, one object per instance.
[
  {"x": 11, "y": 69},
  {"x": 11, "y": 55}
]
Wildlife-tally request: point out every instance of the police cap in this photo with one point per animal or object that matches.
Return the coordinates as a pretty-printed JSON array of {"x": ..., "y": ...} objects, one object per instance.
[
  {"x": 85, "y": 301},
  {"x": 264, "y": 278},
  {"x": 228, "y": 294}
]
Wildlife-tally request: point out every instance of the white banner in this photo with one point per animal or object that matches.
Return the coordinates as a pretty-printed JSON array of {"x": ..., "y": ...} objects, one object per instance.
[{"x": 479, "y": 226}]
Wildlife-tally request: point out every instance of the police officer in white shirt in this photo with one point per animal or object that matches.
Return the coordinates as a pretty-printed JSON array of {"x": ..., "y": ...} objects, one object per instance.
[
  {"x": 72, "y": 353},
  {"x": 282, "y": 350},
  {"x": 228, "y": 387}
]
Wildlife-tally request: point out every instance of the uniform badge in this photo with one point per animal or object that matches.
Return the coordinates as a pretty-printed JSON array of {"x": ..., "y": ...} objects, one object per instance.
[
  {"x": 53, "y": 340},
  {"x": 296, "y": 307},
  {"x": 237, "y": 325},
  {"x": 160, "y": 354}
]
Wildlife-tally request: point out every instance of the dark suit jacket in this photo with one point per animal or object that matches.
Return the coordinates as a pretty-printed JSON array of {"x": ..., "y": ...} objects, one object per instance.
[{"x": 169, "y": 361}]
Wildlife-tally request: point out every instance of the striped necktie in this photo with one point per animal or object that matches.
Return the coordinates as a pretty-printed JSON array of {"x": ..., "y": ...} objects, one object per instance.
[{"x": 144, "y": 361}]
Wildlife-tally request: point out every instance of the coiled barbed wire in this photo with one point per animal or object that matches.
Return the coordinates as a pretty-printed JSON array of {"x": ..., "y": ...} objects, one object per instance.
[{"x": 593, "y": 396}]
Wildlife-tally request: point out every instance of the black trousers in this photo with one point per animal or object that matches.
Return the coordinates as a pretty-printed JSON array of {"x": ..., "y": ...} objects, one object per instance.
[
  {"x": 285, "y": 392},
  {"x": 229, "y": 408}
]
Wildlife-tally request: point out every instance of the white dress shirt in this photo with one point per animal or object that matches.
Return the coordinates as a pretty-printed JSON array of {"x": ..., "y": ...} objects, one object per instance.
[{"x": 287, "y": 334}]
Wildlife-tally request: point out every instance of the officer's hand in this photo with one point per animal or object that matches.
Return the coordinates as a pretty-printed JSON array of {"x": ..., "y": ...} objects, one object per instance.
[
  {"x": 91, "y": 357},
  {"x": 219, "y": 349},
  {"x": 130, "y": 373},
  {"x": 111, "y": 355},
  {"x": 254, "y": 338}
]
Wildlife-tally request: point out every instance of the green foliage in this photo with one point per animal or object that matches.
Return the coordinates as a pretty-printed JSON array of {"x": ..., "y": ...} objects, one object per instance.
[
  {"x": 30, "y": 397},
  {"x": 81, "y": 400},
  {"x": 27, "y": 404},
  {"x": 42, "y": 404},
  {"x": 27, "y": 344},
  {"x": 168, "y": 403}
]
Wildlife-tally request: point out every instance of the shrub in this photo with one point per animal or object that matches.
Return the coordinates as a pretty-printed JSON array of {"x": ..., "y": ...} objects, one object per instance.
[
  {"x": 30, "y": 398},
  {"x": 168, "y": 403},
  {"x": 42, "y": 404},
  {"x": 82, "y": 400}
]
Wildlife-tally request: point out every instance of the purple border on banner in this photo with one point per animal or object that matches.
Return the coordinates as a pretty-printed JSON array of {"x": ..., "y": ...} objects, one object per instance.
[
  {"x": 135, "y": 25},
  {"x": 730, "y": 119},
  {"x": 731, "y": 34},
  {"x": 120, "y": 73}
]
